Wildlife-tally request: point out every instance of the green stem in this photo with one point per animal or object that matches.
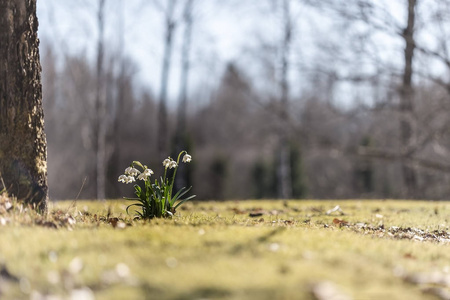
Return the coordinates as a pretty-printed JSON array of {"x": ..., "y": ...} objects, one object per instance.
[
  {"x": 165, "y": 173},
  {"x": 178, "y": 162},
  {"x": 175, "y": 172},
  {"x": 137, "y": 163}
]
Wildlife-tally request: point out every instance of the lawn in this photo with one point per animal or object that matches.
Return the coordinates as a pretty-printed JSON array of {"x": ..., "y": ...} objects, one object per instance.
[{"x": 342, "y": 249}]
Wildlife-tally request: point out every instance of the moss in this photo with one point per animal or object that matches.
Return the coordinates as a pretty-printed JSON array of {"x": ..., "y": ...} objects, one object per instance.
[{"x": 216, "y": 250}]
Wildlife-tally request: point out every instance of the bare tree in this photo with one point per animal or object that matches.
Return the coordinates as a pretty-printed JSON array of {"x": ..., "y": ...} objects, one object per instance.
[
  {"x": 284, "y": 169},
  {"x": 181, "y": 134},
  {"x": 23, "y": 152},
  {"x": 100, "y": 107},
  {"x": 170, "y": 26},
  {"x": 379, "y": 19},
  {"x": 376, "y": 61},
  {"x": 117, "y": 121},
  {"x": 406, "y": 99},
  {"x": 185, "y": 64}
]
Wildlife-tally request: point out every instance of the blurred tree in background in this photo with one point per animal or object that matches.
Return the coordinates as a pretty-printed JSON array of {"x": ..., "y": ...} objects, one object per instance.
[{"x": 324, "y": 99}]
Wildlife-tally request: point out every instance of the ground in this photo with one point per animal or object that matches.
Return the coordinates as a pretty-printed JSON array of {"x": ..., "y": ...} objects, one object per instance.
[{"x": 352, "y": 249}]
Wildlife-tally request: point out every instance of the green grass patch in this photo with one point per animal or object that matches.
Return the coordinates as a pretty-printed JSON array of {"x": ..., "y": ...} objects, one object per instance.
[{"x": 229, "y": 250}]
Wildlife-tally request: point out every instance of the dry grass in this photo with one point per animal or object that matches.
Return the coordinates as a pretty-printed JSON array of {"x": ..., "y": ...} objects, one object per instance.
[{"x": 229, "y": 250}]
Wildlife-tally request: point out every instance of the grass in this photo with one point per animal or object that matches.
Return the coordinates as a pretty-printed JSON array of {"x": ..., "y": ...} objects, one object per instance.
[{"x": 229, "y": 250}]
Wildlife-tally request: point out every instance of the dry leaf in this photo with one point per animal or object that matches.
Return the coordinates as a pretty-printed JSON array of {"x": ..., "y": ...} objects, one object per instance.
[
  {"x": 238, "y": 211},
  {"x": 340, "y": 222},
  {"x": 48, "y": 224},
  {"x": 257, "y": 213},
  {"x": 6, "y": 275},
  {"x": 113, "y": 221},
  {"x": 409, "y": 256}
]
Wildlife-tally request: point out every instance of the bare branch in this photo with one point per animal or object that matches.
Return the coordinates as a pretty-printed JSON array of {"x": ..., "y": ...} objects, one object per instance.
[{"x": 395, "y": 156}]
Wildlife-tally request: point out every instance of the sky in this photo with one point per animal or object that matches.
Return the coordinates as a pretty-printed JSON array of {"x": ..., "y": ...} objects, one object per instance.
[
  {"x": 218, "y": 36},
  {"x": 224, "y": 31}
]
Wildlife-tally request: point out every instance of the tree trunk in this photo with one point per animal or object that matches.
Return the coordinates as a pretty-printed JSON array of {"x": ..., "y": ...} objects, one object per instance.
[
  {"x": 284, "y": 163},
  {"x": 406, "y": 103},
  {"x": 100, "y": 109},
  {"x": 180, "y": 134},
  {"x": 113, "y": 168},
  {"x": 23, "y": 147},
  {"x": 162, "y": 115}
]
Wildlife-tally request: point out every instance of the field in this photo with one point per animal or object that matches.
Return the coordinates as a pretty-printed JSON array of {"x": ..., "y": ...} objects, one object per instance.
[{"x": 229, "y": 250}]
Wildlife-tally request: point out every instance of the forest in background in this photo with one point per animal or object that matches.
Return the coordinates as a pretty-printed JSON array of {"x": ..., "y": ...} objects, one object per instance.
[{"x": 326, "y": 99}]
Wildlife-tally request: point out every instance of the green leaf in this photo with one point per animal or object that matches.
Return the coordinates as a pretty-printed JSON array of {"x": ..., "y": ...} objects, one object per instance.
[
  {"x": 180, "y": 193},
  {"x": 184, "y": 200},
  {"x": 134, "y": 204},
  {"x": 133, "y": 199},
  {"x": 137, "y": 190}
]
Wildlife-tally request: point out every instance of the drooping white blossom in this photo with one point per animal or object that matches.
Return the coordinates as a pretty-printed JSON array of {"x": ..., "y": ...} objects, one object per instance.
[
  {"x": 130, "y": 179},
  {"x": 148, "y": 172},
  {"x": 131, "y": 171},
  {"x": 144, "y": 175},
  {"x": 173, "y": 164},
  {"x": 123, "y": 178},
  {"x": 187, "y": 158},
  {"x": 166, "y": 162}
]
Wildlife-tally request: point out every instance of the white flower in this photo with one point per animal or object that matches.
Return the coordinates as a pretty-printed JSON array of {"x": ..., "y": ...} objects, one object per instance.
[
  {"x": 166, "y": 162},
  {"x": 130, "y": 179},
  {"x": 148, "y": 172},
  {"x": 134, "y": 172},
  {"x": 173, "y": 164},
  {"x": 131, "y": 171},
  {"x": 123, "y": 178},
  {"x": 144, "y": 175},
  {"x": 187, "y": 158}
]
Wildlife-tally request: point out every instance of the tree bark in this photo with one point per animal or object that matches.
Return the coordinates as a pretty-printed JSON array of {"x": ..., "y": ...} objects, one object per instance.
[
  {"x": 23, "y": 147},
  {"x": 113, "y": 168},
  {"x": 100, "y": 109},
  {"x": 185, "y": 67},
  {"x": 162, "y": 115},
  {"x": 406, "y": 102},
  {"x": 180, "y": 134},
  {"x": 284, "y": 164}
]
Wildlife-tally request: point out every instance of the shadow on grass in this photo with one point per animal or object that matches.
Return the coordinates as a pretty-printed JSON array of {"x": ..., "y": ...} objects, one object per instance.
[
  {"x": 205, "y": 293},
  {"x": 261, "y": 239}
]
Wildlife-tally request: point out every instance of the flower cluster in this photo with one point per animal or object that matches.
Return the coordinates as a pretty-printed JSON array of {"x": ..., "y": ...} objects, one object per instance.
[
  {"x": 156, "y": 199},
  {"x": 131, "y": 172},
  {"x": 170, "y": 163},
  {"x": 146, "y": 174},
  {"x": 126, "y": 179}
]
